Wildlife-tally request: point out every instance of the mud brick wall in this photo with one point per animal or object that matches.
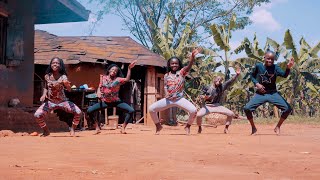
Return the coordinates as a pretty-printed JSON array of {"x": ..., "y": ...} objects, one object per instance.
[
  {"x": 18, "y": 120},
  {"x": 16, "y": 76}
]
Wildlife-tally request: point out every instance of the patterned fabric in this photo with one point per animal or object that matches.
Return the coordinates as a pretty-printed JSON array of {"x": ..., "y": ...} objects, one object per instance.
[
  {"x": 110, "y": 88},
  {"x": 174, "y": 84},
  {"x": 267, "y": 76},
  {"x": 49, "y": 106},
  {"x": 55, "y": 88}
]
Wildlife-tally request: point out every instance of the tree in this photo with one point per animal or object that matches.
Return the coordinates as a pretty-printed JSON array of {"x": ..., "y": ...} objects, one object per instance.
[{"x": 200, "y": 14}]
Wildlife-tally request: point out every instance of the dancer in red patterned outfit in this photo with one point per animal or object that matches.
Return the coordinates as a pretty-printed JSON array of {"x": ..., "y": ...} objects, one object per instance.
[
  {"x": 108, "y": 93},
  {"x": 54, "y": 97},
  {"x": 174, "y": 81}
]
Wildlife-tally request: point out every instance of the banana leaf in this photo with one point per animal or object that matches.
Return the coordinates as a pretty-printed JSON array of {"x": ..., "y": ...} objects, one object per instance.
[
  {"x": 314, "y": 51},
  {"x": 288, "y": 42},
  {"x": 219, "y": 38}
]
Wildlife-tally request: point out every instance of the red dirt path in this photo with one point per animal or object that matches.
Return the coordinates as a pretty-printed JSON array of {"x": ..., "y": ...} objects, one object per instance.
[{"x": 141, "y": 155}]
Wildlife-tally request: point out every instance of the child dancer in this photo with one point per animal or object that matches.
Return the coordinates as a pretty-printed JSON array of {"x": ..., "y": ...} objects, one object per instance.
[
  {"x": 174, "y": 81},
  {"x": 108, "y": 93},
  {"x": 264, "y": 78},
  {"x": 53, "y": 94},
  {"x": 213, "y": 97}
]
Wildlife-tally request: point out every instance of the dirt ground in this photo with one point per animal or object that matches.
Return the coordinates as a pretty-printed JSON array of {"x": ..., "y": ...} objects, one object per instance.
[{"x": 172, "y": 155}]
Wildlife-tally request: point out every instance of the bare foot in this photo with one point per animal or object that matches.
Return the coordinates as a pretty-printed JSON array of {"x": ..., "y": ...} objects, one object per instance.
[
  {"x": 158, "y": 128},
  {"x": 45, "y": 134},
  {"x": 72, "y": 132},
  {"x": 97, "y": 132},
  {"x": 98, "y": 129},
  {"x": 226, "y": 131},
  {"x": 123, "y": 131},
  {"x": 187, "y": 129},
  {"x": 254, "y": 131},
  {"x": 199, "y": 130},
  {"x": 277, "y": 130}
]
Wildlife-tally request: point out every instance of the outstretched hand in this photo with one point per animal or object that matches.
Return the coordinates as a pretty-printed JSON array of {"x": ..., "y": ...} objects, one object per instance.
[
  {"x": 238, "y": 70},
  {"x": 290, "y": 63},
  {"x": 66, "y": 83},
  {"x": 132, "y": 64},
  {"x": 196, "y": 51}
]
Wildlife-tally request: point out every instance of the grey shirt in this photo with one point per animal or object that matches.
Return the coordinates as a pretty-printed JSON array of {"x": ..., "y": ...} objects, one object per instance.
[{"x": 215, "y": 93}]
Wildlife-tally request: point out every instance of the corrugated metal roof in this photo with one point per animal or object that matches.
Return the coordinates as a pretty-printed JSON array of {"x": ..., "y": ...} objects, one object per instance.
[{"x": 76, "y": 49}]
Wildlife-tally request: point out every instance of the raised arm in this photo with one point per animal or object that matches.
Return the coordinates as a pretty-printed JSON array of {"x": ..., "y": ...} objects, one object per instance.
[
  {"x": 192, "y": 58},
  {"x": 282, "y": 73},
  {"x": 131, "y": 65},
  {"x": 231, "y": 80}
]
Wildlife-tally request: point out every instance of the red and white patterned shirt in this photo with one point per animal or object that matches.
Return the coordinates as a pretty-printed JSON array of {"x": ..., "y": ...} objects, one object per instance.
[
  {"x": 174, "y": 84},
  {"x": 55, "y": 88},
  {"x": 110, "y": 88}
]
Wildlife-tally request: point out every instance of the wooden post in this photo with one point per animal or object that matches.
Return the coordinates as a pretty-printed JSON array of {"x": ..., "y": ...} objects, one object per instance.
[{"x": 150, "y": 93}]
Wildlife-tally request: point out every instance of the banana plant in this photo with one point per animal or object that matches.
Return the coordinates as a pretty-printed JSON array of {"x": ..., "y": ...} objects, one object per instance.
[
  {"x": 163, "y": 40},
  {"x": 221, "y": 35},
  {"x": 307, "y": 64}
]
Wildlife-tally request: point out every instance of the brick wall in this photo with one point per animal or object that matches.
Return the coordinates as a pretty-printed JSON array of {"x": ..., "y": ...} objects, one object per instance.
[{"x": 18, "y": 120}]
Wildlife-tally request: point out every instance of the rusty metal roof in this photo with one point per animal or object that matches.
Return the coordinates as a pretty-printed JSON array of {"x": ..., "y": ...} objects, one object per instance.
[{"x": 94, "y": 49}]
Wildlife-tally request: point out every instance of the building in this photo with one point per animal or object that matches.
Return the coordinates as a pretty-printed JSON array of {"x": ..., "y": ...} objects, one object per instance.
[
  {"x": 17, "y": 20},
  {"x": 87, "y": 56}
]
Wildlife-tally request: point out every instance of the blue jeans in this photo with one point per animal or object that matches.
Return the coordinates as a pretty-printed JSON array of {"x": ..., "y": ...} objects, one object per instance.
[
  {"x": 119, "y": 104},
  {"x": 273, "y": 98}
]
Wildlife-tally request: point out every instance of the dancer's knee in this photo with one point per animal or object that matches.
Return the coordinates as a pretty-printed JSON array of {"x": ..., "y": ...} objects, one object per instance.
[
  {"x": 193, "y": 111},
  {"x": 78, "y": 112},
  {"x": 131, "y": 110},
  {"x": 248, "y": 112},
  {"x": 38, "y": 115},
  {"x": 246, "y": 109},
  {"x": 286, "y": 111},
  {"x": 152, "y": 108}
]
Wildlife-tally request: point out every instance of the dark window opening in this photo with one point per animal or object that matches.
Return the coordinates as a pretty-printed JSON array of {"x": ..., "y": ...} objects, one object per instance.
[{"x": 3, "y": 38}]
